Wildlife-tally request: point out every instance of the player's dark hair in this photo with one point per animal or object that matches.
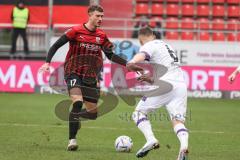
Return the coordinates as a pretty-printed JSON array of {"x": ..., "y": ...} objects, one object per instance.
[
  {"x": 157, "y": 34},
  {"x": 95, "y": 7},
  {"x": 20, "y": 1},
  {"x": 145, "y": 31}
]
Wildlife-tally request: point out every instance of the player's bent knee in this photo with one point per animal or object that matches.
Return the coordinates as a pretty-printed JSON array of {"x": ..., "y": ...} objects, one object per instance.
[
  {"x": 91, "y": 107},
  {"x": 138, "y": 116},
  {"x": 76, "y": 98},
  {"x": 178, "y": 118}
]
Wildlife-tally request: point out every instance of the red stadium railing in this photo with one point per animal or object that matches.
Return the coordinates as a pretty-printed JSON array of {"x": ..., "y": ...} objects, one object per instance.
[
  {"x": 37, "y": 38},
  {"x": 117, "y": 27},
  {"x": 171, "y": 28}
]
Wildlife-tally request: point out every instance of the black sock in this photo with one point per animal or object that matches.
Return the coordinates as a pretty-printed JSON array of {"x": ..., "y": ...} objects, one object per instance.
[
  {"x": 74, "y": 119},
  {"x": 88, "y": 115}
]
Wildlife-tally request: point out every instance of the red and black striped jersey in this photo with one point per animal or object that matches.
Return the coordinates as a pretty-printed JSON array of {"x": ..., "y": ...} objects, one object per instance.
[{"x": 84, "y": 56}]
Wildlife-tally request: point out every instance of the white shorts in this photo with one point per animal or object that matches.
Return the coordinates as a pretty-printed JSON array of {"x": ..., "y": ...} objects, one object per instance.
[{"x": 175, "y": 102}]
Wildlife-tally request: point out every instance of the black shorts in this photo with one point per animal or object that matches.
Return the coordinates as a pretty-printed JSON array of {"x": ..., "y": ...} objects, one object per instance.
[{"x": 90, "y": 90}]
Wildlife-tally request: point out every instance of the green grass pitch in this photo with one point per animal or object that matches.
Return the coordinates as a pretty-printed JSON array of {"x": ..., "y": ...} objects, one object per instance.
[{"x": 29, "y": 130}]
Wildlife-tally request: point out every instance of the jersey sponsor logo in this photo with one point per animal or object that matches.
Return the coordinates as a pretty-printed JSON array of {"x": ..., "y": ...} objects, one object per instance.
[
  {"x": 91, "y": 47},
  {"x": 98, "y": 39}
]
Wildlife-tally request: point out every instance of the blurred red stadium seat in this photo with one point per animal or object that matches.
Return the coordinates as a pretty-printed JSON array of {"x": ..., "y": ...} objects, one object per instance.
[
  {"x": 172, "y": 9},
  {"x": 231, "y": 37},
  {"x": 233, "y": 1},
  {"x": 145, "y": 1},
  {"x": 142, "y": 8},
  {"x": 188, "y": 1},
  {"x": 233, "y": 24},
  {"x": 218, "y": 36},
  {"x": 233, "y": 11},
  {"x": 157, "y": 9},
  {"x": 204, "y": 36},
  {"x": 218, "y": 24},
  {"x": 187, "y": 10},
  {"x": 218, "y": 1},
  {"x": 218, "y": 11},
  {"x": 187, "y": 36},
  {"x": 175, "y": 1},
  {"x": 157, "y": 1},
  {"x": 203, "y": 10},
  {"x": 187, "y": 23},
  {"x": 203, "y": 23},
  {"x": 203, "y": 1},
  {"x": 154, "y": 20},
  {"x": 171, "y": 35},
  {"x": 171, "y": 23}
]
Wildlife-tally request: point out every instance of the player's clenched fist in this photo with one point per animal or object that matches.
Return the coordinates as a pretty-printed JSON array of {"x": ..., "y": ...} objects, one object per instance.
[
  {"x": 134, "y": 67},
  {"x": 146, "y": 78},
  {"x": 232, "y": 77},
  {"x": 44, "y": 68},
  {"x": 234, "y": 74}
]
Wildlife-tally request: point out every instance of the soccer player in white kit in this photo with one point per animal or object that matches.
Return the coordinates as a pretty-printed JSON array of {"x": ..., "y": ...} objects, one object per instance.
[{"x": 175, "y": 100}]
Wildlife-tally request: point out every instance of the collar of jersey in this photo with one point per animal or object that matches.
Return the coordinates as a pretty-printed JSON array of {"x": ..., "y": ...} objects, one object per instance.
[{"x": 84, "y": 25}]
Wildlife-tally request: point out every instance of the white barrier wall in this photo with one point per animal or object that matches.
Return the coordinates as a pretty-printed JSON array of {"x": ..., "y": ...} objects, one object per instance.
[
  {"x": 206, "y": 66},
  {"x": 190, "y": 53}
]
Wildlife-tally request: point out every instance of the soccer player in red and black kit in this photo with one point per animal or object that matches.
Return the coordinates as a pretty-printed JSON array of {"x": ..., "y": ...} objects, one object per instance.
[{"x": 82, "y": 67}]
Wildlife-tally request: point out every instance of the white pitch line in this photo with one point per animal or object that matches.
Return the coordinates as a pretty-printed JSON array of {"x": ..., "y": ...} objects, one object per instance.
[{"x": 106, "y": 128}]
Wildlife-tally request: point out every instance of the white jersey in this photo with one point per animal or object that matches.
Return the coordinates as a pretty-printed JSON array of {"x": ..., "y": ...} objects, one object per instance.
[
  {"x": 162, "y": 57},
  {"x": 159, "y": 52}
]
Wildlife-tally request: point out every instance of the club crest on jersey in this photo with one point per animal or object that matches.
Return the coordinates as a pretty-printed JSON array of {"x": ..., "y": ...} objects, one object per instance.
[{"x": 98, "y": 40}]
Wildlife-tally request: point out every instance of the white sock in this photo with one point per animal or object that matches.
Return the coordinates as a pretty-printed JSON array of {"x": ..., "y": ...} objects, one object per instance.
[
  {"x": 144, "y": 125},
  {"x": 146, "y": 129},
  {"x": 182, "y": 134}
]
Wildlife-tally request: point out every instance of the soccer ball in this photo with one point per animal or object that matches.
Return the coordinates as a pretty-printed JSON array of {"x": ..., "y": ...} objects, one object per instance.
[{"x": 123, "y": 144}]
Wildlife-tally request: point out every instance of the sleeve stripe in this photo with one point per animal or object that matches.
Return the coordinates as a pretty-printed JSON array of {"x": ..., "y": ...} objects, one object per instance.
[{"x": 147, "y": 56}]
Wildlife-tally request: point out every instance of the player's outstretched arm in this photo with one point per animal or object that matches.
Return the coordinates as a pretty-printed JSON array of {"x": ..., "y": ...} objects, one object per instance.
[
  {"x": 107, "y": 49},
  {"x": 45, "y": 67},
  {"x": 59, "y": 43},
  {"x": 119, "y": 60},
  {"x": 139, "y": 57},
  {"x": 132, "y": 66},
  {"x": 234, "y": 74},
  {"x": 53, "y": 49},
  {"x": 115, "y": 58}
]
